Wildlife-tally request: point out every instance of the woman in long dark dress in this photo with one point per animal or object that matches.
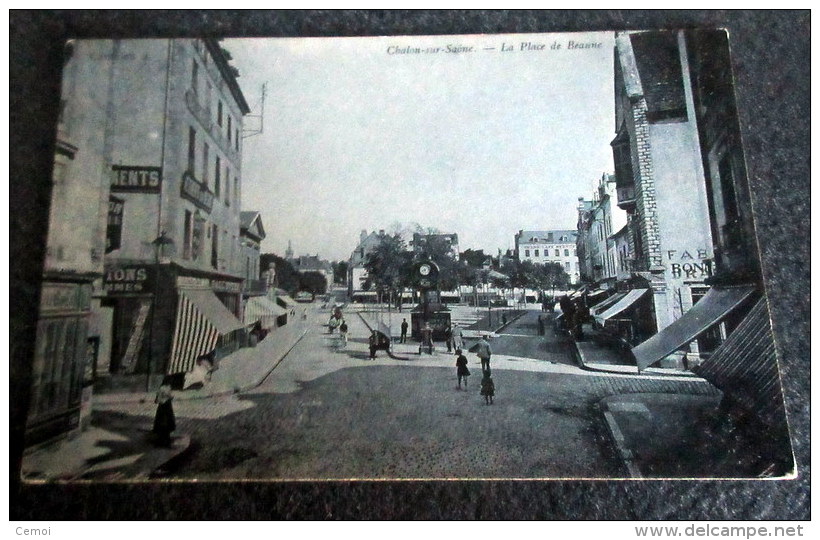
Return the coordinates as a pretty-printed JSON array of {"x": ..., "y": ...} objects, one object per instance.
[
  {"x": 164, "y": 420},
  {"x": 461, "y": 368}
]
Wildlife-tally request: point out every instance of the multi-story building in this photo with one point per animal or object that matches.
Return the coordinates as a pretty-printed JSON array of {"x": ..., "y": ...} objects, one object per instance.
[
  {"x": 67, "y": 332},
  {"x": 555, "y": 246},
  {"x": 660, "y": 180},
  {"x": 730, "y": 323},
  {"x": 597, "y": 219},
  {"x": 356, "y": 271},
  {"x": 174, "y": 269},
  {"x": 312, "y": 263}
]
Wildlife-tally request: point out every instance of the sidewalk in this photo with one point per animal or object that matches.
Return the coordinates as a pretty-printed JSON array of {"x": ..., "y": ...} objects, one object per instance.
[
  {"x": 121, "y": 450},
  {"x": 667, "y": 435},
  {"x": 594, "y": 356}
]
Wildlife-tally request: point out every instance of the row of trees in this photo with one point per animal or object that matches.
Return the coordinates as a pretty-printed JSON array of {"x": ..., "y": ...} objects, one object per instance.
[{"x": 389, "y": 268}]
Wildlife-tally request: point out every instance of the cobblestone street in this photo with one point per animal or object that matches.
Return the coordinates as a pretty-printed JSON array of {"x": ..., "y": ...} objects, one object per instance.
[{"x": 333, "y": 414}]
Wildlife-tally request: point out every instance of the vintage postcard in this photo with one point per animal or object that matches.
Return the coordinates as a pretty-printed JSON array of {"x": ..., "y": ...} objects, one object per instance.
[{"x": 523, "y": 256}]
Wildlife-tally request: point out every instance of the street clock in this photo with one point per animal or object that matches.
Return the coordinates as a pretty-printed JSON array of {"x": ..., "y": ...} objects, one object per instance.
[{"x": 425, "y": 274}]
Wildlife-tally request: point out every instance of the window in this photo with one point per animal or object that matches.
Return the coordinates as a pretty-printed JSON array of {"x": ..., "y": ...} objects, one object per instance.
[
  {"x": 214, "y": 246},
  {"x": 557, "y": 252},
  {"x": 236, "y": 189},
  {"x": 195, "y": 78},
  {"x": 566, "y": 253},
  {"x": 229, "y": 128},
  {"x": 192, "y": 151},
  {"x": 227, "y": 186},
  {"x": 217, "y": 177},
  {"x": 526, "y": 253},
  {"x": 186, "y": 251},
  {"x": 622, "y": 157},
  {"x": 205, "y": 151},
  {"x": 536, "y": 253},
  {"x": 566, "y": 264},
  {"x": 236, "y": 139},
  {"x": 219, "y": 113}
]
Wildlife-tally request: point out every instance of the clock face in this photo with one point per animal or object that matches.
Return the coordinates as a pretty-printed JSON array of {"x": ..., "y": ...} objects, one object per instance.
[{"x": 424, "y": 269}]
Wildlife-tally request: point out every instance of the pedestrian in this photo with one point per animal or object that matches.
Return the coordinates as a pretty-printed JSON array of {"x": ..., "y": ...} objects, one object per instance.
[
  {"x": 461, "y": 368},
  {"x": 374, "y": 344},
  {"x": 458, "y": 337},
  {"x": 540, "y": 326},
  {"x": 164, "y": 420},
  {"x": 448, "y": 338},
  {"x": 484, "y": 352},
  {"x": 403, "y": 338},
  {"x": 487, "y": 388},
  {"x": 343, "y": 334}
]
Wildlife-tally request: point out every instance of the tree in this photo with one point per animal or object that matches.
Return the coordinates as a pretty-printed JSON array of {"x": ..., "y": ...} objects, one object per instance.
[
  {"x": 340, "y": 271},
  {"x": 314, "y": 282},
  {"x": 474, "y": 257},
  {"x": 388, "y": 266}
]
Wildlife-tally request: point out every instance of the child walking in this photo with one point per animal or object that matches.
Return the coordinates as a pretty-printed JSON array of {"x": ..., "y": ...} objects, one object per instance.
[
  {"x": 487, "y": 388},
  {"x": 461, "y": 368}
]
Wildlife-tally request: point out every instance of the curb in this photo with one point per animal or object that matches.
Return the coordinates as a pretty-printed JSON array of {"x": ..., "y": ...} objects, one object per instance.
[
  {"x": 617, "y": 437},
  {"x": 579, "y": 356}
]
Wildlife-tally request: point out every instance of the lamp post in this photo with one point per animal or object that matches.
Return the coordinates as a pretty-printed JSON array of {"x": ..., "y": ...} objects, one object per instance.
[{"x": 159, "y": 244}]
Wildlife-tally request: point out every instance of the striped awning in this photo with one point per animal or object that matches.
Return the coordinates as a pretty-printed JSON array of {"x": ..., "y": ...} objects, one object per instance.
[
  {"x": 263, "y": 310},
  {"x": 631, "y": 297},
  {"x": 201, "y": 319},
  {"x": 709, "y": 310},
  {"x": 606, "y": 304}
]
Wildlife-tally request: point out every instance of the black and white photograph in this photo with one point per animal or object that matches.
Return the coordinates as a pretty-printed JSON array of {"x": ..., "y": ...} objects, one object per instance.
[{"x": 399, "y": 264}]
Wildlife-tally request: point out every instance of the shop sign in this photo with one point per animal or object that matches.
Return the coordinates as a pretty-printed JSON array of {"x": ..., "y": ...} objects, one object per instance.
[
  {"x": 689, "y": 264},
  {"x": 197, "y": 192},
  {"x": 226, "y": 286},
  {"x": 134, "y": 278},
  {"x": 113, "y": 235},
  {"x": 136, "y": 179}
]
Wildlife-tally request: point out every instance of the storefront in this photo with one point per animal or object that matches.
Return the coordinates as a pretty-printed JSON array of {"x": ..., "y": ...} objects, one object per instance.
[
  {"x": 165, "y": 316},
  {"x": 59, "y": 360}
]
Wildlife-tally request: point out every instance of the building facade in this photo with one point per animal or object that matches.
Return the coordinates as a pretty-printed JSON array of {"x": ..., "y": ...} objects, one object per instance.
[
  {"x": 597, "y": 221},
  {"x": 174, "y": 265},
  {"x": 659, "y": 173},
  {"x": 447, "y": 242},
  {"x": 356, "y": 271},
  {"x": 555, "y": 246},
  {"x": 67, "y": 330}
]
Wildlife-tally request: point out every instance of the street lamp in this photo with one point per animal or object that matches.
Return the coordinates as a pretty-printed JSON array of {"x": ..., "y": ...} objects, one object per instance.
[{"x": 159, "y": 244}]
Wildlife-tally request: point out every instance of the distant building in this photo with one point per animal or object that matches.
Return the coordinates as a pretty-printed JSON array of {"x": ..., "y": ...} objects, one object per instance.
[
  {"x": 251, "y": 234},
  {"x": 422, "y": 241},
  {"x": 312, "y": 263},
  {"x": 554, "y": 246},
  {"x": 597, "y": 219},
  {"x": 356, "y": 271}
]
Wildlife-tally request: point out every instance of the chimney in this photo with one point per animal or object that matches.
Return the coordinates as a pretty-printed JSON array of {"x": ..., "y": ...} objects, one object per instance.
[
  {"x": 381, "y": 232},
  {"x": 362, "y": 235}
]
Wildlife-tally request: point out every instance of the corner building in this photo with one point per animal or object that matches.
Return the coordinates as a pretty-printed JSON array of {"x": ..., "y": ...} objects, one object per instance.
[
  {"x": 660, "y": 180},
  {"x": 172, "y": 285}
]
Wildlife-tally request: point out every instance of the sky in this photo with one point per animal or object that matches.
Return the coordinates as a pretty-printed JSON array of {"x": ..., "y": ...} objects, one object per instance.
[{"x": 358, "y": 136}]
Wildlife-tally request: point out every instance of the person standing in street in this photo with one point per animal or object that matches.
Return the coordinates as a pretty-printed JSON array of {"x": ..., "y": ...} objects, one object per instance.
[
  {"x": 458, "y": 337},
  {"x": 487, "y": 388},
  {"x": 164, "y": 420},
  {"x": 343, "y": 334},
  {"x": 448, "y": 338},
  {"x": 403, "y": 338},
  {"x": 461, "y": 368},
  {"x": 484, "y": 352},
  {"x": 373, "y": 342}
]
